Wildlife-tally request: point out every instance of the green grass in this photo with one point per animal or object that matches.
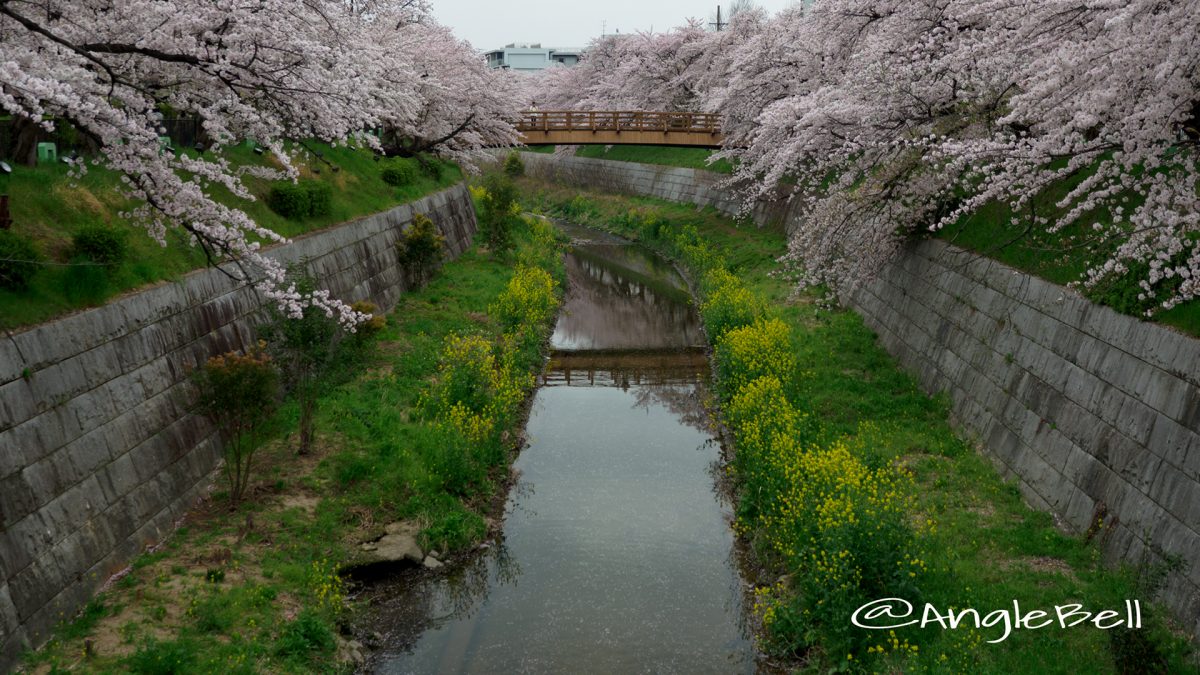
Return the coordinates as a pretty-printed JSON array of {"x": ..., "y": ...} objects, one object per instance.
[
  {"x": 48, "y": 206},
  {"x": 1062, "y": 257},
  {"x": 987, "y": 548},
  {"x": 690, "y": 158},
  {"x": 541, "y": 149},
  {"x": 255, "y": 590}
]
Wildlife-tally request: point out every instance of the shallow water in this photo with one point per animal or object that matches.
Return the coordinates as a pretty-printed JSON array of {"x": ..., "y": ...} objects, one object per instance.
[{"x": 616, "y": 554}]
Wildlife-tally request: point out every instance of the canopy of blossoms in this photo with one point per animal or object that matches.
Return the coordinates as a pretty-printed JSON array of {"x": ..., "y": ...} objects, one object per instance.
[
  {"x": 266, "y": 70},
  {"x": 888, "y": 118}
]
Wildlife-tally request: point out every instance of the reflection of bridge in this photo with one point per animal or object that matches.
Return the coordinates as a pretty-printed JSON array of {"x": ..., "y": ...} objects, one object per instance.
[
  {"x": 592, "y": 127},
  {"x": 624, "y": 368}
]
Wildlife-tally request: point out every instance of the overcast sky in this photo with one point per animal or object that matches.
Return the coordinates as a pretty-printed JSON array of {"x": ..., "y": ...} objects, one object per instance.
[{"x": 488, "y": 24}]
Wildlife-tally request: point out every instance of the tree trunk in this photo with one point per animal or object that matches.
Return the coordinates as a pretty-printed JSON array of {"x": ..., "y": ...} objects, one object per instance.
[
  {"x": 25, "y": 135},
  {"x": 308, "y": 411}
]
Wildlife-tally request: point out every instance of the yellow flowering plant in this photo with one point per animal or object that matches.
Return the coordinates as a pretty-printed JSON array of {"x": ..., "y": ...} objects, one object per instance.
[{"x": 763, "y": 348}]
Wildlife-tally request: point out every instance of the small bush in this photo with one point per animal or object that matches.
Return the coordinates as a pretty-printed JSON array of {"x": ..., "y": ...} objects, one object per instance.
[
  {"x": 466, "y": 374},
  {"x": 18, "y": 260},
  {"x": 420, "y": 249},
  {"x": 430, "y": 166},
  {"x": 449, "y": 456},
  {"x": 500, "y": 212},
  {"x": 289, "y": 200},
  {"x": 238, "y": 393},
  {"x": 296, "y": 201},
  {"x": 306, "y": 634},
  {"x": 101, "y": 245},
  {"x": 398, "y": 174},
  {"x": 320, "y": 197},
  {"x": 371, "y": 327},
  {"x": 513, "y": 166}
]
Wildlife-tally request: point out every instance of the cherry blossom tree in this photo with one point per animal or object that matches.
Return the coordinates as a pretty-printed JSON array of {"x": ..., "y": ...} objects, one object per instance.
[
  {"x": 888, "y": 119},
  {"x": 463, "y": 107},
  {"x": 269, "y": 70},
  {"x": 637, "y": 71},
  {"x": 902, "y": 108}
]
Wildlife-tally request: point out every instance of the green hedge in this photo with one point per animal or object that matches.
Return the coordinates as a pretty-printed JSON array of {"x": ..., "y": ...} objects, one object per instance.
[{"x": 300, "y": 200}]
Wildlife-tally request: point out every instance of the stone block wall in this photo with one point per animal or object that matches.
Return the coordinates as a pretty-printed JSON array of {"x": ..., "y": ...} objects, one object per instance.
[
  {"x": 1095, "y": 414},
  {"x": 692, "y": 186},
  {"x": 99, "y": 456}
]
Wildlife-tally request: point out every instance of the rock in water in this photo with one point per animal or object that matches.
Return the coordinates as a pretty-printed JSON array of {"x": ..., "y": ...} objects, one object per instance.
[{"x": 431, "y": 563}]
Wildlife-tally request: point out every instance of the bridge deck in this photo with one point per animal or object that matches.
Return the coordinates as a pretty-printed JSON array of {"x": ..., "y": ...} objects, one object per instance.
[{"x": 615, "y": 127}]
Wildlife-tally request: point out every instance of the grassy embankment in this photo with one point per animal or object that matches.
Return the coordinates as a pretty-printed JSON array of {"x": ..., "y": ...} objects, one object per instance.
[
  {"x": 1063, "y": 257},
  {"x": 49, "y": 207},
  {"x": 853, "y": 486},
  {"x": 1060, "y": 257},
  {"x": 419, "y": 427},
  {"x": 688, "y": 158}
]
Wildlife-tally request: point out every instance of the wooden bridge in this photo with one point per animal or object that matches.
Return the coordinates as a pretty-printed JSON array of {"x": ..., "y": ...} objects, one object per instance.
[{"x": 614, "y": 127}]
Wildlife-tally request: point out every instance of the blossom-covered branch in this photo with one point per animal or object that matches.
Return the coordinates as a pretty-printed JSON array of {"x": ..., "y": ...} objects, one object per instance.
[{"x": 270, "y": 70}]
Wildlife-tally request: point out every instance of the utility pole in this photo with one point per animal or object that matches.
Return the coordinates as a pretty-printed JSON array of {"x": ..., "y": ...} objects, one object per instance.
[{"x": 719, "y": 25}]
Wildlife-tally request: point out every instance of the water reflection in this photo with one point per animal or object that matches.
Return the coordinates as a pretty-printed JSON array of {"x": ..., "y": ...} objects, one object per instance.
[
  {"x": 616, "y": 550},
  {"x": 621, "y": 298}
]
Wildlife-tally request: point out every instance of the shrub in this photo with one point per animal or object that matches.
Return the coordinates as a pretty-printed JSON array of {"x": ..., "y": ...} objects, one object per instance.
[
  {"x": 478, "y": 392},
  {"x": 289, "y": 200},
  {"x": 18, "y": 260},
  {"x": 306, "y": 634},
  {"x": 320, "y": 197},
  {"x": 371, "y": 327},
  {"x": 300, "y": 200},
  {"x": 238, "y": 393},
  {"x": 513, "y": 166},
  {"x": 398, "y": 174},
  {"x": 362, "y": 340},
  {"x": 420, "y": 249},
  {"x": 500, "y": 212},
  {"x": 101, "y": 245},
  {"x": 430, "y": 166},
  {"x": 466, "y": 374}
]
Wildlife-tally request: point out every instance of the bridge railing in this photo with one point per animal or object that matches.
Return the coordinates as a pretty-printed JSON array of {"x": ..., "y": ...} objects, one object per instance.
[{"x": 618, "y": 120}]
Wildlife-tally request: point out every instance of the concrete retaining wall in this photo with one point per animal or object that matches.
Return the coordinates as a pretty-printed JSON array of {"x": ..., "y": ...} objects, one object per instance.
[
  {"x": 1095, "y": 414},
  {"x": 98, "y": 454},
  {"x": 694, "y": 186}
]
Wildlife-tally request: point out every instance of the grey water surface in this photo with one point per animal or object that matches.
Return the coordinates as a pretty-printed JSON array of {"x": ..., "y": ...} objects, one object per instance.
[{"x": 616, "y": 554}]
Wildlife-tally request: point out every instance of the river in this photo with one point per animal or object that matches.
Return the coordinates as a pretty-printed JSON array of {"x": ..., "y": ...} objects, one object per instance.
[{"x": 616, "y": 554}]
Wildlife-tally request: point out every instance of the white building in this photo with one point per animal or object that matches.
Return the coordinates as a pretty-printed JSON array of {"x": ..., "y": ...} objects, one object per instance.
[{"x": 526, "y": 57}]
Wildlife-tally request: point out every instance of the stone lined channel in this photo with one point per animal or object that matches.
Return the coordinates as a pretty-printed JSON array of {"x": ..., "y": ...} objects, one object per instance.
[{"x": 616, "y": 553}]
